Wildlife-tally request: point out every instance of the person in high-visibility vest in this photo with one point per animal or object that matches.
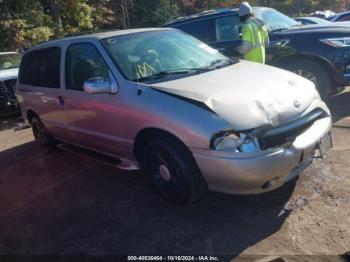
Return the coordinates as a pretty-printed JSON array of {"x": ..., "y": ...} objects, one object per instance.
[{"x": 255, "y": 36}]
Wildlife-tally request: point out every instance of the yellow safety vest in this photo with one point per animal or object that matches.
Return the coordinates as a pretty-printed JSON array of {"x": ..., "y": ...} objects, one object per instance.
[{"x": 258, "y": 37}]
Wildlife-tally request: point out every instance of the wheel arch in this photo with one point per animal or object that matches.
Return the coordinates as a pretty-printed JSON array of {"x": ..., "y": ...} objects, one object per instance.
[
  {"x": 30, "y": 114},
  {"x": 282, "y": 62},
  {"x": 196, "y": 183},
  {"x": 146, "y": 135}
]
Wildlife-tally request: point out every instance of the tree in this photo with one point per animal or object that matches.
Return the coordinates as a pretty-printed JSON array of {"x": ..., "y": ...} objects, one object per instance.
[{"x": 24, "y": 23}]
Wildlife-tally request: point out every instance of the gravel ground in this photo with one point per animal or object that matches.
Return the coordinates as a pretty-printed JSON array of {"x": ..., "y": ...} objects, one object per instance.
[{"x": 68, "y": 204}]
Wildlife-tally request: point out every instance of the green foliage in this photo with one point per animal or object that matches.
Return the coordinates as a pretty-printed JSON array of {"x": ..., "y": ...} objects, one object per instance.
[
  {"x": 77, "y": 16},
  {"x": 38, "y": 34},
  {"x": 154, "y": 13},
  {"x": 12, "y": 33},
  {"x": 24, "y": 23}
]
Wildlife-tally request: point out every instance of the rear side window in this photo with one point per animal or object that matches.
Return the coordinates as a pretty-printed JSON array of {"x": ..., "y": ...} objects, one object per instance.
[
  {"x": 227, "y": 28},
  {"x": 41, "y": 68},
  {"x": 83, "y": 62},
  {"x": 204, "y": 30}
]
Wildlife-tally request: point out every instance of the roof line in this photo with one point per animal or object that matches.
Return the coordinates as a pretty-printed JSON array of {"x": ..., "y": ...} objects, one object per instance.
[{"x": 201, "y": 14}]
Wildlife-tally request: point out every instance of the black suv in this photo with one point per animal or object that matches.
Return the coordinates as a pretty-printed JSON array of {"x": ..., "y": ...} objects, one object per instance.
[{"x": 320, "y": 53}]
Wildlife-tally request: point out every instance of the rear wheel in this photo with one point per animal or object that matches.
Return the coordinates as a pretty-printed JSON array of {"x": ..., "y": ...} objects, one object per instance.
[
  {"x": 315, "y": 72},
  {"x": 42, "y": 137},
  {"x": 174, "y": 172}
]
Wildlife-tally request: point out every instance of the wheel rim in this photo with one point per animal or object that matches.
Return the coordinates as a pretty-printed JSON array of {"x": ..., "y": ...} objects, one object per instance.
[
  {"x": 165, "y": 173},
  {"x": 308, "y": 75},
  {"x": 166, "y": 177}
]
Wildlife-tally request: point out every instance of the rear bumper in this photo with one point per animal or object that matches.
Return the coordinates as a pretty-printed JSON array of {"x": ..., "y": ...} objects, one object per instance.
[{"x": 255, "y": 173}]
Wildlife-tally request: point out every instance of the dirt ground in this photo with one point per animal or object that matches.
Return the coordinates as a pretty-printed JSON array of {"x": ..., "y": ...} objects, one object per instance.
[{"x": 68, "y": 204}]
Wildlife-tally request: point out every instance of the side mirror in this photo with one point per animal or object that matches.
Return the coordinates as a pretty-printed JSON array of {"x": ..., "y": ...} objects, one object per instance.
[
  {"x": 100, "y": 85},
  {"x": 97, "y": 85}
]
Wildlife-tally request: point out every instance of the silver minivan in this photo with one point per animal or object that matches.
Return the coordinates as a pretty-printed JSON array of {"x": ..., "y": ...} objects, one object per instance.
[{"x": 161, "y": 100}]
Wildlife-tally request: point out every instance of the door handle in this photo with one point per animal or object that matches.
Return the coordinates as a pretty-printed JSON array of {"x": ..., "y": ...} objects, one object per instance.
[
  {"x": 60, "y": 100},
  {"x": 221, "y": 49}
]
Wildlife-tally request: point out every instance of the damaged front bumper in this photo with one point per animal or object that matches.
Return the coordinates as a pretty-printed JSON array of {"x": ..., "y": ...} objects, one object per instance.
[{"x": 255, "y": 173}]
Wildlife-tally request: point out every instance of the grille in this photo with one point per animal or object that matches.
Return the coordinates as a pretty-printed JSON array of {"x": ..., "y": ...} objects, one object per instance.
[
  {"x": 2, "y": 90},
  {"x": 286, "y": 134},
  {"x": 7, "y": 95},
  {"x": 10, "y": 86}
]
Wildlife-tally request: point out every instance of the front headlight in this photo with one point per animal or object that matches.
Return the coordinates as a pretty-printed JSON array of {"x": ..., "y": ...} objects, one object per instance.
[
  {"x": 246, "y": 142},
  {"x": 229, "y": 142},
  {"x": 337, "y": 42},
  {"x": 233, "y": 143}
]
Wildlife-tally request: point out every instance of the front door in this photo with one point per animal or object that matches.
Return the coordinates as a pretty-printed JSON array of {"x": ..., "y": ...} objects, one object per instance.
[{"x": 95, "y": 120}]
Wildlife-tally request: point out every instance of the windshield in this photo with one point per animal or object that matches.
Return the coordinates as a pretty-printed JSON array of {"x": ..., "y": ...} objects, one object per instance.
[
  {"x": 161, "y": 53},
  {"x": 275, "y": 20},
  {"x": 8, "y": 61}
]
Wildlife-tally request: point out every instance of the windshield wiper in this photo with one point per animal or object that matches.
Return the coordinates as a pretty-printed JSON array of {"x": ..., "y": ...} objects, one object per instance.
[
  {"x": 188, "y": 71},
  {"x": 219, "y": 63},
  {"x": 168, "y": 73}
]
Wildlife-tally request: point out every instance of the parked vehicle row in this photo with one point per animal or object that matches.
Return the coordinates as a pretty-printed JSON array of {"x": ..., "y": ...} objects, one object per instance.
[
  {"x": 319, "y": 53},
  {"x": 312, "y": 21},
  {"x": 320, "y": 21},
  {"x": 323, "y": 14},
  {"x": 161, "y": 100},
  {"x": 331, "y": 16},
  {"x": 341, "y": 17},
  {"x": 325, "y": 18}
]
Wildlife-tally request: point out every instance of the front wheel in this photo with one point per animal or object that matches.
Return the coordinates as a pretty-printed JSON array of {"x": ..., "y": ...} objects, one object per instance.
[
  {"x": 174, "y": 172},
  {"x": 315, "y": 72},
  {"x": 42, "y": 137}
]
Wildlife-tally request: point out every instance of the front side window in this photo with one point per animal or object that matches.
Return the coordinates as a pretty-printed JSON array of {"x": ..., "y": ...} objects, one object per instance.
[
  {"x": 8, "y": 61},
  {"x": 227, "y": 28},
  {"x": 83, "y": 62},
  {"x": 41, "y": 68},
  {"x": 152, "y": 53}
]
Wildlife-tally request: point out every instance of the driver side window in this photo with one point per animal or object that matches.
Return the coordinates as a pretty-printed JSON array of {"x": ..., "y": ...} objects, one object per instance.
[
  {"x": 227, "y": 28},
  {"x": 83, "y": 62}
]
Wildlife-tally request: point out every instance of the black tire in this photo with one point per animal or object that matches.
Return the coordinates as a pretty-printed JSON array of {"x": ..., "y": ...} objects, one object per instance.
[
  {"x": 174, "y": 172},
  {"x": 42, "y": 137},
  {"x": 323, "y": 79}
]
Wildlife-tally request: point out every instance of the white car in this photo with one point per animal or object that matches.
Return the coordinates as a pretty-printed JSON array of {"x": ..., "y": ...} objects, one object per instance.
[{"x": 9, "y": 63}]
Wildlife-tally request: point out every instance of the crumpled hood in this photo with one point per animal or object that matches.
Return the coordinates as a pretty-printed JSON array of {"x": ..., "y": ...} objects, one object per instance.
[
  {"x": 247, "y": 95},
  {"x": 8, "y": 73}
]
